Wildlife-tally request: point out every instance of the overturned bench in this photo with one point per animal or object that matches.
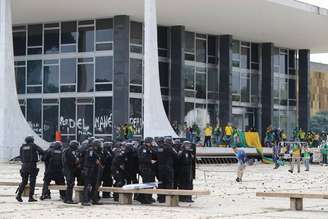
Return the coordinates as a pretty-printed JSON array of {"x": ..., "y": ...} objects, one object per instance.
[
  {"x": 125, "y": 195},
  {"x": 296, "y": 198}
]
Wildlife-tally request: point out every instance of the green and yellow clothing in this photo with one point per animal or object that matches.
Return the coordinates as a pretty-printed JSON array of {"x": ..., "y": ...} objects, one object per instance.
[
  {"x": 296, "y": 150},
  {"x": 228, "y": 130},
  {"x": 208, "y": 131},
  {"x": 306, "y": 154}
]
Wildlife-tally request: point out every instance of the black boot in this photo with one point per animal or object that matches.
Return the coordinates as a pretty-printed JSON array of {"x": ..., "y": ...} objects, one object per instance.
[
  {"x": 31, "y": 199},
  {"x": 19, "y": 198}
]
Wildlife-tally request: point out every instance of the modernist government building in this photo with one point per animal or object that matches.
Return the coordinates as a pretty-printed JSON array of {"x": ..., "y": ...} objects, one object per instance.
[{"x": 79, "y": 63}]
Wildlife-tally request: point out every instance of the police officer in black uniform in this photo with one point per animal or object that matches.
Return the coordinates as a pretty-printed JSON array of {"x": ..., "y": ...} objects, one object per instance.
[
  {"x": 166, "y": 156},
  {"x": 119, "y": 164},
  {"x": 176, "y": 146},
  {"x": 147, "y": 159},
  {"x": 186, "y": 162},
  {"x": 107, "y": 162},
  {"x": 29, "y": 153},
  {"x": 54, "y": 169},
  {"x": 71, "y": 169},
  {"x": 91, "y": 165}
]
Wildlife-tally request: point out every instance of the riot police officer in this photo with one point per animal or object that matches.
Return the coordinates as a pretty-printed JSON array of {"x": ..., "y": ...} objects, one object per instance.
[
  {"x": 71, "y": 169},
  {"x": 166, "y": 156},
  {"x": 29, "y": 153},
  {"x": 119, "y": 163},
  {"x": 147, "y": 159},
  {"x": 90, "y": 172},
  {"x": 186, "y": 160},
  {"x": 54, "y": 169},
  {"x": 107, "y": 162}
]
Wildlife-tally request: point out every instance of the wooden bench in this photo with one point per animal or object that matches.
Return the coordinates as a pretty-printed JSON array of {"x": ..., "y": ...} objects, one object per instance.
[
  {"x": 296, "y": 198},
  {"x": 125, "y": 196}
]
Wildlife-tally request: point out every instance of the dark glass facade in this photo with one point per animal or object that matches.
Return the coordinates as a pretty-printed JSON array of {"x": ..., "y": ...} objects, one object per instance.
[{"x": 65, "y": 74}]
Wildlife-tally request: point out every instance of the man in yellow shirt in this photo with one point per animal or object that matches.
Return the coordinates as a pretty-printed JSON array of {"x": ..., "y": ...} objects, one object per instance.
[
  {"x": 296, "y": 157},
  {"x": 228, "y": 130},
  {"x": 208, "y": 131}
]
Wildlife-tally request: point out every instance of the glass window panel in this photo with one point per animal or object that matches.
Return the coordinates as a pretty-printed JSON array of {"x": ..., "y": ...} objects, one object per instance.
[
  {"x": 85, "y": 78},
  {"x": 283, "y": 91},
  {"x": 236, "y": 50},
  {"x": 104, "y": 46},
  {"x": 244, "y": 90},
  {"x": 245, "y": 58},
  {"x": 136, "y": 33},
  {"x": 50, "y": 122},
  {"x": 51, "y": 79},
  {"x": 34, "y": 113},
  {"x": 103, "y": 115},
  {"x": 201, "y": 50},
  {"x": 276, "y": 56},
  {"x": 104, "y": 30},
  {"x": 68, "y": 32},
  {"x": 67, "y": 116},
  {"x": 283, "y": 64},
  {"x": 86, "y": 39},
  {"x": 35, "y": 35},
  {"x": 34, "y": 72},
  {"x": 292, "y": 89},
  {"x": 255, "y": 52},
  {"x": 235, "y": 82},
  {"x": 292, "y": 60},
  {"x": 201, "y": 86},
  {"x": 162, "y": 37},
  {"x": 189, "y": 77},
  {"x": 136, "y": 71},
  {"x": 276, "y": 87},
  {"x": 164, "y": 74},
  {"x": 190, "y": 42},
  {"x": 104, "y": 69},
  {"x": 189, "y": 107},
  {"x": 255, "y": 84},
  {"x": 51, "y": 41},
  {"x": 19, "y": 39},
  {"x": 213, "y": 111},
  {"x": 212, "y": 80},
  {"x": 189, "y": 57},
  {"x": 68, "y": 71},
  {"x": 212, "y": 46},
  {"x": 84, "y": 122},
  {"x": 20, "y": 79},
  {"x": 135, "y": 117}
]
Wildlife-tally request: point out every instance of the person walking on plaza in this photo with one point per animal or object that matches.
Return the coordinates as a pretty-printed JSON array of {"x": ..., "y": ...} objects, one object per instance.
[
  {"x": 296, "y": 157},
  {"x": 306, "y": 157},
  {"x": 228, "y": 130},
  {"x": 217, "y": 134},
  {"x": 324, "y": 152},
  {"x": 241, "y": 157},
  {"x": 276, "y": 154},
  {"x": 208, "y": 136}
]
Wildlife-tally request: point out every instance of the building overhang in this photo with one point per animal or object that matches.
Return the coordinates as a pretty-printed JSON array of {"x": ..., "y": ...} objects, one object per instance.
[{"x": 286, "y": 23}]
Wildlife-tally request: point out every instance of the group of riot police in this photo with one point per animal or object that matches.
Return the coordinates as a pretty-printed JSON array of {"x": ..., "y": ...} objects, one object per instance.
[{"x": 95, "y": 163}]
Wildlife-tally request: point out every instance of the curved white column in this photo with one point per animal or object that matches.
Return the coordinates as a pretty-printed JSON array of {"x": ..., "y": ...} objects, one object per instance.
[
  {"x": 156, "y": 122},
  {"x": 13, "y": 126}
]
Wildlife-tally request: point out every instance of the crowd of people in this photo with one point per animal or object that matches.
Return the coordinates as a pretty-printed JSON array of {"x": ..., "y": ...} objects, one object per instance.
[{"x": 95, "y": 163}]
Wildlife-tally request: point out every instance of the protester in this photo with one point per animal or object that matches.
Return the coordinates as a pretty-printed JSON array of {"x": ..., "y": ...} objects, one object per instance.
[
  {"x": 241, "y": 157},
  {"x": 296, "y": 157},
  {"x": 306, "y": 157},
  {"x": 217, "y": 134},
  {"x": 208, "y": 136}
]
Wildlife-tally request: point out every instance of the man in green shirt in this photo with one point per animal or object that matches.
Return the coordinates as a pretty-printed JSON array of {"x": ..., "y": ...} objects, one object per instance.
[{"x": 324, "y": 153}]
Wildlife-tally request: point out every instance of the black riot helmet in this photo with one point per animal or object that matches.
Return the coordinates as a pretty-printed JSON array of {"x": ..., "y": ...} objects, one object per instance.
[
  {"x": 148, "y": 140},
  {"x": 74, "y": 145},
  {"x": 108, "y": 145},
  {"x": 29, "y": 139},
  {"x": 58, "y": 145},
  {"x": 187, "y": 146},
  {"x": 97, "y": 144},
  {"x": 168, "y": 141}
]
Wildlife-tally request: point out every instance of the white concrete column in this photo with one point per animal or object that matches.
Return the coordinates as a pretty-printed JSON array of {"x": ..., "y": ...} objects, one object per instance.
[
  {"x": 156, "y": 122},
  {"x": 13, "y": 126}
]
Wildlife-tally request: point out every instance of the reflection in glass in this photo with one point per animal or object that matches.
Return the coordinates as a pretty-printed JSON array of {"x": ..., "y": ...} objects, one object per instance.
[
  {"x": 51, "y": 79},
  {"x": 189, "y": 77},
  {"x": 86, "y": 39},
  {"x": 67, "y": 116},
  {"x": 136, "y": 71},
  {"x": 136, "y": 33},
  {"x": 85, "y": 78},
  {"x": 84, "y": 122},
  {"x": 190, "y": 42},
  {"x": 164, "y": 74},
  {"x": 34, "y": 72},
  {"x": 33, "y": 116},
  {"x": 20, "y": 79},
  {"x": 135, "y": 116},
  {"x": 19, "y": 39},
  {"x": 50, "y": 122},
  {"x": 201, "y": 51},
  {"x": 244, "y": 89},
  {"x": 51, "y": 41},
  {"x": 201, "y": 86},
  {"x": 104, "y": 30},
  {"x": 104, "y": 69},
  {"x": 35, "y": 35}
]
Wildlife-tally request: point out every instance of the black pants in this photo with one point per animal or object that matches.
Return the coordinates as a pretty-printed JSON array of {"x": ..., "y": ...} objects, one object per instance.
[
  {"x": 166, "y": 177},
  {"x": 147, "y": 175},
  {"x": 186, "y": 179},
  {"x": 207, "y": 141},
  {"x": 107, "y": 182},
  {"x": 56, "y": 176},
  {"x": 70, "y": 181},
  {"x": 90, "y": 190},
  {"x": 28, "y": 172}
]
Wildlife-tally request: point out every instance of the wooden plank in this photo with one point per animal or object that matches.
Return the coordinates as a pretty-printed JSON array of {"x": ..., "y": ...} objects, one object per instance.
[
  {"x": 296, "y": 204},
  {"x": 292, "y": 195},
  {"x": 172, "y": 200},
  {"x": 125, "y": 199},
  {"x": 120, "y": 190}
]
